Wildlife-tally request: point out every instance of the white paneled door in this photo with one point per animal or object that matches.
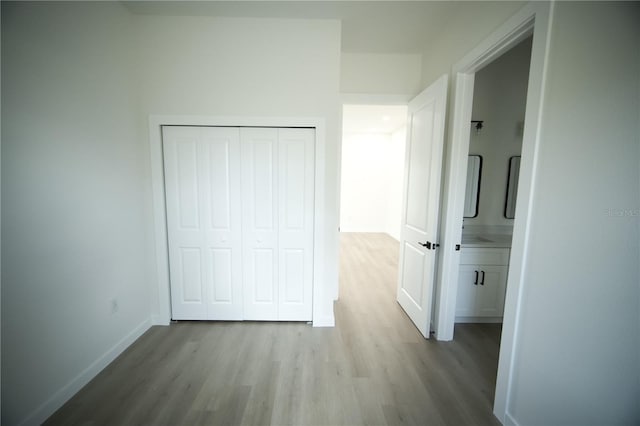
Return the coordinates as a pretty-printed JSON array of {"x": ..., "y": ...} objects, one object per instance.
[
  {"x": 296, "y": 171},
  {"x": 240, "y": 222},
  {"x": 202, "y": 178},
  {"x": 277, "y": 197},
  {"x": 418, "y": 241},
  {"x": 260, "y": 220}
]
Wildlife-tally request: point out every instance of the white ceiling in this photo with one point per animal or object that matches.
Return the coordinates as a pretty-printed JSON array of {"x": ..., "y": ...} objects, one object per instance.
[
  {"x": 367, "y": 26},
  {"x": 373, "y": 118}
]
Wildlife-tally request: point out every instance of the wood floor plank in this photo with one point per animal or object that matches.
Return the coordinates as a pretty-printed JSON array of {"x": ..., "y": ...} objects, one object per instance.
[{"x": 373, "y": 368}]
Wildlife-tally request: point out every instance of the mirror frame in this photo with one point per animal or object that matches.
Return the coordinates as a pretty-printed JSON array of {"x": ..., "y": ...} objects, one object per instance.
[
  {"x": 512, "y": 187},
  {"x": 479, "y": 185}
]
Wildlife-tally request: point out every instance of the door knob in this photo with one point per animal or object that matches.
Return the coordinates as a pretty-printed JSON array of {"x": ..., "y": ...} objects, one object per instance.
[{"x": 429, "y": 245}]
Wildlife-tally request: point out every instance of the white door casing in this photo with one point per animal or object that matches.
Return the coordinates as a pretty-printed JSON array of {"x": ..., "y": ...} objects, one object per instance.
[
  {"x": 534, "y": 17},
  {"x": 419, "y": 229},
  {"x": 202, "y": 174}
]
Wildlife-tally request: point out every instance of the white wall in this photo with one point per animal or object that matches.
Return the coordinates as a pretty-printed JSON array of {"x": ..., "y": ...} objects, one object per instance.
[
  {"x": 380, "y": 74},
  {"x": 79, "y": 83},
  {"x": 248, "y": 67},
  {"x": 578, "y": 352},
  {"x": 577, "y": 342},
  {"x": 73, "y": 211},
  {"x": 364, "y": 188},
  {"x": 395, "y": 160},
  {"x": 371, "y": 182},
  {"x": 499, "y": 98}
]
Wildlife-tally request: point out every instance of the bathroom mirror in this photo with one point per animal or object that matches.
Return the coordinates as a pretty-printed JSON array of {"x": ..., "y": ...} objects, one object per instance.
[
  {"x": 512, "y": 187},
  {"x": 472, "y": 191}
]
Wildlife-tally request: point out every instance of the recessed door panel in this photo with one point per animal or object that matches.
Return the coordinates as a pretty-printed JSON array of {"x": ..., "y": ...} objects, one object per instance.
[
  {"x": 221, "y": 271},
  {"x": 413, "y": 265},
  {"x": 191, "y": 270},
  {"x": 219, "y": 183},
  {"x": 294, "y": 183},
  {"x": 419, "y": 167},
  {"x": 262, "y": 282},
  {"x": 293, "y": 276},
  {"x": 262, "y": 188},
  {"x": 187, "y": 183}
]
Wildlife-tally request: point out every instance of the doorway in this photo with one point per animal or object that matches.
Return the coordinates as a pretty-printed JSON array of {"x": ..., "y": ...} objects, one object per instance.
[
  {"x": 534, "y": 19},
  {"x": 371, "y": 184},
  {"x": 495, "y": 146}
]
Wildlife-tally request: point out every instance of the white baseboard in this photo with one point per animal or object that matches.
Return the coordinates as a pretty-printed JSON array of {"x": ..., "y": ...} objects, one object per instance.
[
  {"x": 324, "y": 322},
  {"x": 58, "y": 399},
  {"x": 158, "y": 320},
  {"x": 509, "y": 420}
]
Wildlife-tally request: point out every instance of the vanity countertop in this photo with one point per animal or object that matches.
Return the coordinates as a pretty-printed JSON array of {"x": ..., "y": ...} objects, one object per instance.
[{"x": 486, "y": 240}]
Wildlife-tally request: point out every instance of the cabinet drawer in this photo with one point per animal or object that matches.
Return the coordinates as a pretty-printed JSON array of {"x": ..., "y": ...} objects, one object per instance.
[{"x": 484, "y": 256}]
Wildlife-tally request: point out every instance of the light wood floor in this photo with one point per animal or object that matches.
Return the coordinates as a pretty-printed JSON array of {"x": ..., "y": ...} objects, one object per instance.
[{"x": 373, "y": 368}]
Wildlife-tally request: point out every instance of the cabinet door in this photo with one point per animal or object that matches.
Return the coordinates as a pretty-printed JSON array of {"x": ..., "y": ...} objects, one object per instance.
[
  {"x": 491, "y": 289},
  {"x": 467, "y": 289}
]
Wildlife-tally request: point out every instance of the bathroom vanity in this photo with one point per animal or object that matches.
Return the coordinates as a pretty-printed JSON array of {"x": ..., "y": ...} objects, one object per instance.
[{"x": 484, "y": 263}]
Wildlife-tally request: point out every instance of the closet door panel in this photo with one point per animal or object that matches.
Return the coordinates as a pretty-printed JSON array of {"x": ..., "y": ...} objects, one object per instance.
[
  {"x": 221, "y": 181},
  {"x": 202, "y": 182},
  {"x": 259, "y": 214},
  {"x": 296, "y": 153},
  {"x": 184, "y": 213}
]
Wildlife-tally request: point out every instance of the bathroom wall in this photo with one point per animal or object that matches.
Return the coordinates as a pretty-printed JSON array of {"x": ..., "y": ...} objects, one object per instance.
[{"x": 499, "y": 98}]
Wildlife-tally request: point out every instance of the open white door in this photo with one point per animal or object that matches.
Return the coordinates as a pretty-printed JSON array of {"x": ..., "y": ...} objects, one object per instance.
[{"x": 419, "y": 232}]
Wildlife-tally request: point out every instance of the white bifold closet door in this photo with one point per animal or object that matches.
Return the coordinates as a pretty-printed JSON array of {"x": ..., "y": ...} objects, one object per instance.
[{"x": 240, "y": 222}]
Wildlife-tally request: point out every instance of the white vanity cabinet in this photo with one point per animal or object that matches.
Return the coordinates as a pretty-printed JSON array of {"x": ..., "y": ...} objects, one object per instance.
[{"x": 481, "y": 284}]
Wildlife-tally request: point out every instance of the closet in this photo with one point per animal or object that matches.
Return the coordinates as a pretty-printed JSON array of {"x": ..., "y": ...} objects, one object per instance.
[{"x": 240, "y": 217}]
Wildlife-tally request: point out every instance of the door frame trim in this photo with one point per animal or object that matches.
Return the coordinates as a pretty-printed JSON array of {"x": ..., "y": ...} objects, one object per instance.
[
  {"x": 322, "y": 310},
  {"x": 536, "y": 18}
]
